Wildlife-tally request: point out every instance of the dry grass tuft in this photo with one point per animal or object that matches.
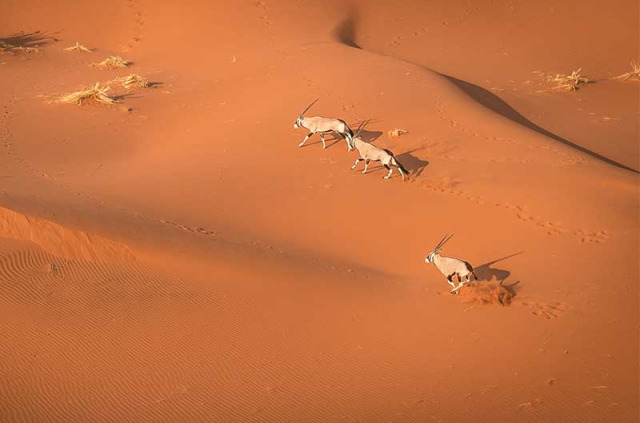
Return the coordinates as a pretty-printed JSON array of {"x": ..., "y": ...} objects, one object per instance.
[
  {"x": 570, "y": 82},
  {"x": 78, "y": 47},
  {"x": 113, "y": 62},
  {"x": 634, "y": 75},
  {"x": 11, "y": 48},
  {"x": 131, "y": 81},
  {"x": 94, "y": 93},
  {"x": 395, "y": 133}
]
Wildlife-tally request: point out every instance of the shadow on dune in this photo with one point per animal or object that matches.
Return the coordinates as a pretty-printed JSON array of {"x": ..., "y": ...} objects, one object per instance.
[
  {"x": 366, "y": 135},
  {"x": 512, "y": 288},
  {"x": 485, "y": 272},
  {"x": 345, "y": 32},
  {"x": 121, "y": 97},
  {"x": 330, "y": 140},
  {"x": 497, "y": 105},
  {"x": 29, "y": 39},
  {"x": 490, "y": 288},
  {"x": 414, "y": 164},
  {"x": 369, "y": 136}
]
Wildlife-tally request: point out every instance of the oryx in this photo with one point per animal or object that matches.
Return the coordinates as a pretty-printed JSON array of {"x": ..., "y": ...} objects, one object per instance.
[
  {"x": 322, "y": 125},
  {"x": 450, "y": 267},
  {"x": 370, "y": 152}
]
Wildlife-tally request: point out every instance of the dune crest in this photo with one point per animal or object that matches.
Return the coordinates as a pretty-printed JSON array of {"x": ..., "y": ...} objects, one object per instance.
[{"x": 59, "y": 240}]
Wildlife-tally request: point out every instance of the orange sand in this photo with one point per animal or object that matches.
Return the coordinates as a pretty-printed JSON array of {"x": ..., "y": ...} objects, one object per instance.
[{"x": 176, "y": 257}]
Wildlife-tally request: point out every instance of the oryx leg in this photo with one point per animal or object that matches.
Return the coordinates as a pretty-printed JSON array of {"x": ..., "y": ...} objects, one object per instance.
[
  {"x": 366, "y": 165},
  {"x": 322, "y": 138},
  {"x": 460, "y": 282},
  {"x": 450, "y": 282},
  {"x": 306, "y": 138},
  {"x": 348, "y": 139},
  {"x": 390, "y": 171},
  {"x": 356, "y": 163}
]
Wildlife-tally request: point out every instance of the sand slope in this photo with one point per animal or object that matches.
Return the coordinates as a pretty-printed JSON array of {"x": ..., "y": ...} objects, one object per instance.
[{"x": 176, "y": 257}]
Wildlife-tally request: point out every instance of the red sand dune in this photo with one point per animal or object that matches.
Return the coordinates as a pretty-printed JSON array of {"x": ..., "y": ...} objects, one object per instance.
[{"x": 176, "y": 257}]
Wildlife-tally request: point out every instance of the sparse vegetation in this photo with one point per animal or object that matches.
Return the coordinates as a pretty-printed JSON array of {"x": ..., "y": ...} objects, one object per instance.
[
  {"x": 25, "y": 42},
  {"x": 570, "y": 82},
  {"x": 131, "y": 81},
  {"x": 113, "y": 62},
  {"x": 395, "y": 133},
  {"x": 96, "y": 93},
  {"x": 12, "y": 48},
  {"x": 634, "y": 75},
  {"x": 78, "y": 47}
]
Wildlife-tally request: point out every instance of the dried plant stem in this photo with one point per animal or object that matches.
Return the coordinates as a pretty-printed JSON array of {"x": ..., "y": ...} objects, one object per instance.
[
  {"x": 113, "y": 62},
  {"x": 78, "y": 47},
  {"x": 395, "y": 133},
  {"x": 570, "y": 82},
  {"x": 96, "y": 93},
  {"x": 131, "y": 81},
  {"x": 634, "y": 75}
]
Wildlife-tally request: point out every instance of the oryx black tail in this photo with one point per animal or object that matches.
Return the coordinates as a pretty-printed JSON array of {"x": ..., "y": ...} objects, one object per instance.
[
  {"x": 397, "y": 163},
  {"x": 470, "y": 269}
]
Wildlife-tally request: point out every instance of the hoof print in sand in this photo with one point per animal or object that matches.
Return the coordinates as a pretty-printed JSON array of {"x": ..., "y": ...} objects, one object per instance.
[{"x": 549, "y": 311}]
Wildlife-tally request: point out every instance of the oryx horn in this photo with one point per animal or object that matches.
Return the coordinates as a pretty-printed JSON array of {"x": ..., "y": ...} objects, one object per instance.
[
  {"x": 361, "y": 127},
  {"x": 443, "y": 241},
  {"x": 309, "y": 106}
]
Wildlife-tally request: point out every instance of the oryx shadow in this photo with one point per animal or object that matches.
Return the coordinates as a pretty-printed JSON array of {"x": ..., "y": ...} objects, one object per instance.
[
  {"x": 414, "y": 164},
  {"x": 330, "y": 140},
  {"x": 373, "y": 168},
  {"x": 366, "y": 135},
  {"x": 369, "y": 136},
  {"x": 125, "y": 96},
  {"x": 486, "y": 272},
  {"x": 336, "y": 140}
]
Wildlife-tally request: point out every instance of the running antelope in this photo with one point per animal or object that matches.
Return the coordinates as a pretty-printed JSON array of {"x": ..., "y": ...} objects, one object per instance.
[
  {"x": 450, "y": 267},
  {"x": 370, "y": 152},
  {"x": 322, "y": 126}
]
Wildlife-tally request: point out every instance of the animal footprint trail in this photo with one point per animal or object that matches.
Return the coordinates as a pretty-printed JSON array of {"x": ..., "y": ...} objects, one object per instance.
[
  {"x": 553, "y": 228},
  {"x": 546, "y": 310},
  {"x": 592, "y": 237},
  {"x": 139, "y": 24},
  {"x": 495, "y": 293},
  {"x": 5, "y": 135},
  {"x": 451, "y": 186},
  {"x": 198, "y": 230}
]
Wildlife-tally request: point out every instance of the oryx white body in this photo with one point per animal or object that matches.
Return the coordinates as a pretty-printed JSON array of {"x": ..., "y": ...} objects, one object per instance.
[
  {"x": 451, "y": 267},
  {"x": 370, "y": 152},
  {"x": 322, "y": 126}
]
